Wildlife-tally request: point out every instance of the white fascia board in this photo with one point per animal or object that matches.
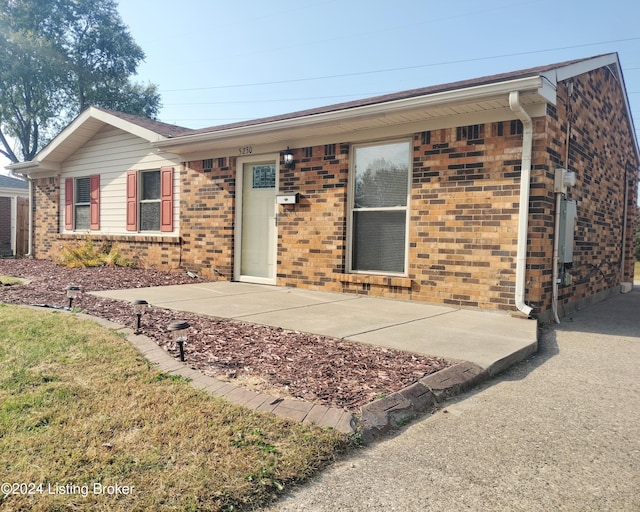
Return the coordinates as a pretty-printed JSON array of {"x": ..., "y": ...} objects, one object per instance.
[
  {"x": 584, "y": 66},
  {"x": 64, "y": 134},
  {"x": 14, "y": 192},
  {"x": 610, "y": 60},
  {"x": 35, "y": 167},
  {"x": 22, "y": 167},
  {"x": 104, "y": 117},
  {"x": 468, "y": 94},
  {"x": 124, "y": 125}
]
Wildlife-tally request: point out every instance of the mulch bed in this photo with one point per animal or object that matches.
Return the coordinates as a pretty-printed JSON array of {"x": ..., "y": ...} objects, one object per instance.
[{"x": 288, "y": 363}]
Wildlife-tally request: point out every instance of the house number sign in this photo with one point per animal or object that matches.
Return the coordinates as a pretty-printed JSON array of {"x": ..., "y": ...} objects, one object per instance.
[{"x": 245, "y": 150}]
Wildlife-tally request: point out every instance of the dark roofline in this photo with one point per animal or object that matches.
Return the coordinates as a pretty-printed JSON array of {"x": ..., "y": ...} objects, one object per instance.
[
  {"x": 423, "y": 91},
  {"x": 164, "y": 129},
  {"x": 10, "y": 182}
]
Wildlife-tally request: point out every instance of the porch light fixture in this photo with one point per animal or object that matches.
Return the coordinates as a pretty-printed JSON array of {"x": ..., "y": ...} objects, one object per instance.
[
  {"x": 139, "y": 308},
  {"x": 288, "y": 159},
  {"x": 73, "y": 292},
  {"x": 179, "y": 333}
]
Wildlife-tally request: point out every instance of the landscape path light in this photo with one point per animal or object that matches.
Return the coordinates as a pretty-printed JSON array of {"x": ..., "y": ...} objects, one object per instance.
[
  {"x": 73, "y": 291},
  {"x": 179, "y": 333},
  {"x": 139, "y": 308}
]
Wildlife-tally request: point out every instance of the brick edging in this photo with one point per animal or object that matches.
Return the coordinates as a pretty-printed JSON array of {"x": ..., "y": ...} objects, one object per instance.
[
  {"x": 296, "y": 410},
  {"x": 397, "y": 409}
]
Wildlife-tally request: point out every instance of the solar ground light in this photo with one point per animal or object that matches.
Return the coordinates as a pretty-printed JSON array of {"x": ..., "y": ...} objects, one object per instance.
[
  {"x": 139, "y": 308},
  {"x": 73, "y": 291},
  {"x": 179, "y": 333}
]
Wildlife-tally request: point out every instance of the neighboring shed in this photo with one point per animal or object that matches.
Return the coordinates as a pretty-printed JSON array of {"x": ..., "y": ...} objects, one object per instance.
[
  {"x": 448, "y": 194},
  {"x": 14, "y": 217}
]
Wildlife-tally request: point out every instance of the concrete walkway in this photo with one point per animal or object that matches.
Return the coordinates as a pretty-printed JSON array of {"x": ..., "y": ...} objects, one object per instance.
[
  {"x": 493, "y": 341},
  {"x": 558, "y": 432}
]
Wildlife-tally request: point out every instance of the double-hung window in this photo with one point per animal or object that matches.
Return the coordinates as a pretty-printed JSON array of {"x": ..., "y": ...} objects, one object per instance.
[
  {"x": 150, "y": 200},
  {"x": 82, "y": 203},
  {"x": 379, "y": 207}
]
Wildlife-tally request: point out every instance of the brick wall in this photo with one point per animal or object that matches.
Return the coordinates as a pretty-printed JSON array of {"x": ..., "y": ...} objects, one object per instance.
[
  {"x": 600, "y": 153},
  {"x": 207, "y": 217},
  {"x": 46, "y": 215},
  {"x": 463, "y": 227},
  {"x": 312, "y": 233},
  {"x": 465, "y": 198}
]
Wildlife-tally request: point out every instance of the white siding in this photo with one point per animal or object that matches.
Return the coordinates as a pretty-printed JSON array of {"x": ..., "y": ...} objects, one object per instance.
[{"x": 111, "y": 153}]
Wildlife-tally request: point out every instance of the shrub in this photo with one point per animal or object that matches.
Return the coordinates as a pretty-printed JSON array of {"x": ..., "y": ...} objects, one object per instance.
[{"x": 85, "y": 254}]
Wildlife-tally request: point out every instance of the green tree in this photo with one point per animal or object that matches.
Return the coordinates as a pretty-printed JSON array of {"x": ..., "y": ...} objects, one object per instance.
[{"x": 57, "y": 57}]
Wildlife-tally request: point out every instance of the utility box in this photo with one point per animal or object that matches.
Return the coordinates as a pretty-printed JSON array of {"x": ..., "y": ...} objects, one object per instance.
[{"x": 568, "y": 214}]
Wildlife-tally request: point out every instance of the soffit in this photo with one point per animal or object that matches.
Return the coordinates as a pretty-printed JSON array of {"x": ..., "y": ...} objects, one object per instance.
[{"x": 353, "y": 127}]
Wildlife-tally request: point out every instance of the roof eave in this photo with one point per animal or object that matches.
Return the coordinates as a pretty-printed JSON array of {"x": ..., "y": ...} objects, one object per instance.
[
  {"x": 46, "y": 160},
  {"x": 464, "y": 95}
]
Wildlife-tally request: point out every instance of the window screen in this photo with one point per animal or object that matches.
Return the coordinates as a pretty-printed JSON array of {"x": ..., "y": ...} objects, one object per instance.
[
  {"x": 82, "y": 203},
  {"x": 150, "y": 185},
  {"x": 150, "y": 201}
]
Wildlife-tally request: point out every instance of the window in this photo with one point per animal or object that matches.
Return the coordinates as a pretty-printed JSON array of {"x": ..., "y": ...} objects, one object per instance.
[
  {"x": 150, "y": 200},
  {"x": 82, "y": 203},
  {"x": 264, "y": 176},
  {"x": 378, "y": 221}
]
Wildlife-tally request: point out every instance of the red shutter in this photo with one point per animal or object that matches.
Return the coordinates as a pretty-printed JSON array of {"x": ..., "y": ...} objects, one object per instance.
[
  {"x": 132, "y": 201},
  {"x": 94, "y": 208},
  {"x": 166, "y": 199},
  {"x": 68, "y": 203}
]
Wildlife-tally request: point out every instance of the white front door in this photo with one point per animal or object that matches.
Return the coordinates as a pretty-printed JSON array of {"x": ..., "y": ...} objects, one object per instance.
[{"x": 256, "y": 220}]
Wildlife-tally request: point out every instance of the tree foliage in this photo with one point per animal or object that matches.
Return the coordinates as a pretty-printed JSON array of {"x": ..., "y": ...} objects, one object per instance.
[{"x": 59, "y": 57}]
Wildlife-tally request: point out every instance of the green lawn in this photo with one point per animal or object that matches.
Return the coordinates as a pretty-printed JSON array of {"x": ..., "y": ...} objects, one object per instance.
[{"x": 87, "y": 424}]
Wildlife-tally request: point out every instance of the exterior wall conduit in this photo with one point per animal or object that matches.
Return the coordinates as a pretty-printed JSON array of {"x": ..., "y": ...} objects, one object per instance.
[{"x": 523, "y": 212}]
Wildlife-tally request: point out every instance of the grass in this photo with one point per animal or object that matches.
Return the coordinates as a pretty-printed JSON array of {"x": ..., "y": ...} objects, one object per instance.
[
  {"x": 637, "y": 270},
  {"x": 81, "y": 413}
]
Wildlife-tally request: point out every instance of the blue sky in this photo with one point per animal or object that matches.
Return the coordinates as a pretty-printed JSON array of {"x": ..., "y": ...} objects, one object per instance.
[{"x": 217, "y": 62}]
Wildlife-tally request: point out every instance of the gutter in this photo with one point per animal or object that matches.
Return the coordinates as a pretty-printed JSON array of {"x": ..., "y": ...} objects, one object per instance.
[
  {"x": 523, "y": 212},
  {"x": 341, "y": 115}
]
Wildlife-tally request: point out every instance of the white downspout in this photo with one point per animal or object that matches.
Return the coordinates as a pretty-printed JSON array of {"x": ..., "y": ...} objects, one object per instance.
[
  {"x": 523, "y": 212},
  {"x": 30, "y": 235},
  {"x": 556, "y": 244},
  {"x": 624, "y": 223}
]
